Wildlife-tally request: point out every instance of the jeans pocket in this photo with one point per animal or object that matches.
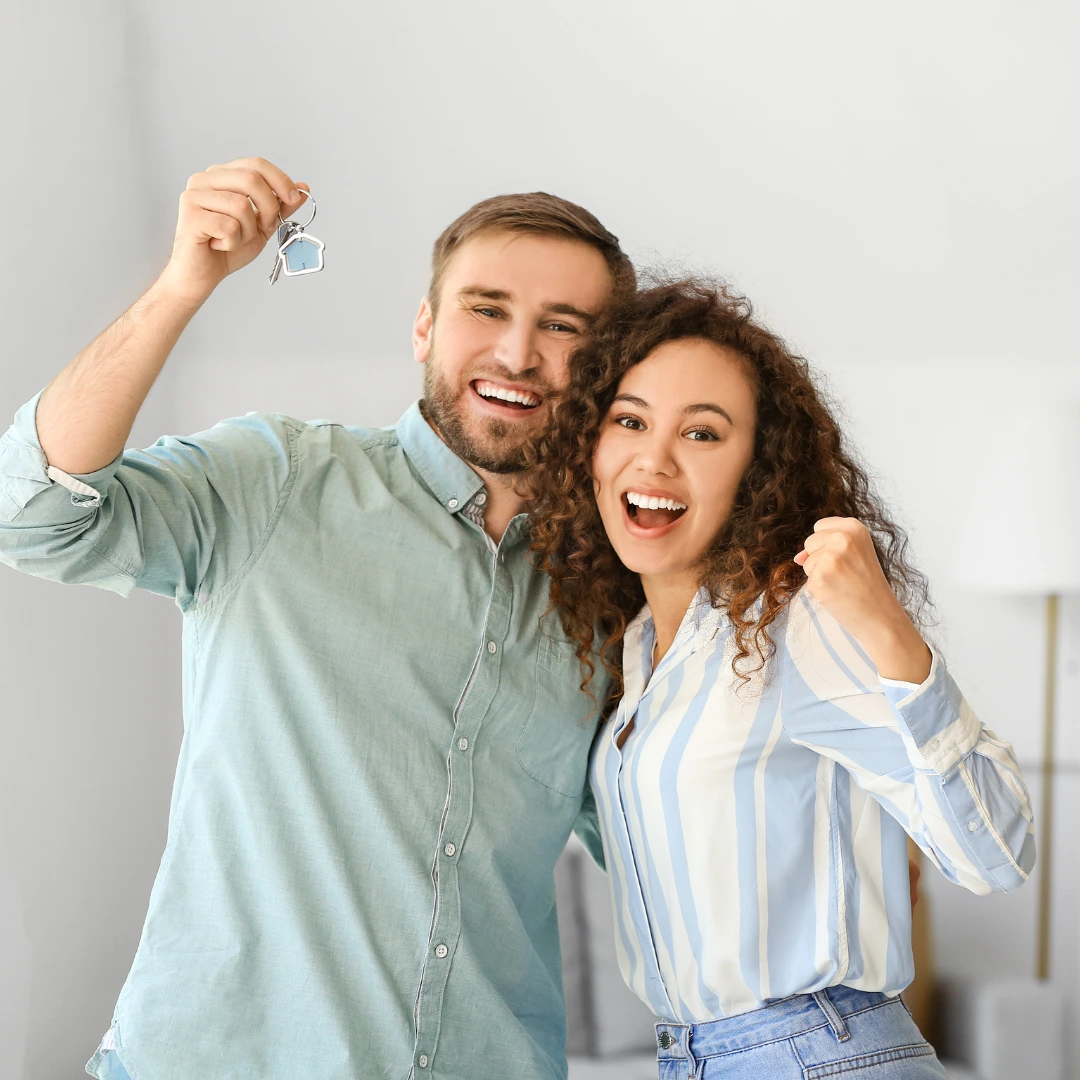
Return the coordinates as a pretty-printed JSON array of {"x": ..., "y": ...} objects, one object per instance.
[{"x": 877, "y": 1064}]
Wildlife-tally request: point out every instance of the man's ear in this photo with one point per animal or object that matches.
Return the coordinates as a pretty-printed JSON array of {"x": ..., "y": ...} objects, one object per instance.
[{"x": 423, "y": 328}]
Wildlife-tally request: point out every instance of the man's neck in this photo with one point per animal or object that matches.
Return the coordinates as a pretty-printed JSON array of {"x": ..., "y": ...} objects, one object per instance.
[{"x": 503, "y": 502}]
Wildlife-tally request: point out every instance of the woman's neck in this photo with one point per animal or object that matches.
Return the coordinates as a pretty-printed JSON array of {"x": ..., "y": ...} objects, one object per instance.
[{"x": 668, "y": 597}]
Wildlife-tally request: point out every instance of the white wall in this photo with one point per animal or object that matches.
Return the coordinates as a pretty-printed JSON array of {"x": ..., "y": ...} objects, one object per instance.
[{"x": 894, "y": 185}]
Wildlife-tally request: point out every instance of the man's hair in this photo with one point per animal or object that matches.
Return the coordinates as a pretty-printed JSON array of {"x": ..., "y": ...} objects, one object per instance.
[{"x": 537, "y": 213}]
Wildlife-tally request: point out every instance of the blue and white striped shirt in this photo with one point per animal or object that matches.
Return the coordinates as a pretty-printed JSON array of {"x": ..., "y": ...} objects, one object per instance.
[{"x": 755, "y": 837}]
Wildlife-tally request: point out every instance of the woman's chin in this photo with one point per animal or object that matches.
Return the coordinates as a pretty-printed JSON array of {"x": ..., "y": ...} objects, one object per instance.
[{"x": 649, "y": 565}]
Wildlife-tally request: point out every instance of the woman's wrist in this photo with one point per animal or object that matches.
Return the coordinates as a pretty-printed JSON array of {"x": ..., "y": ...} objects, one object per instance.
[{"x": 898, "y": 651}]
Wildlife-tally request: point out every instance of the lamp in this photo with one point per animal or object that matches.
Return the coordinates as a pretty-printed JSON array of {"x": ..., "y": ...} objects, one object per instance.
[{"x": 1022, "y": 537}]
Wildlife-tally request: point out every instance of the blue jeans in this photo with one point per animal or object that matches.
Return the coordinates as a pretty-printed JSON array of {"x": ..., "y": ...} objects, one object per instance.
[{"x": 836, "y": 1032}]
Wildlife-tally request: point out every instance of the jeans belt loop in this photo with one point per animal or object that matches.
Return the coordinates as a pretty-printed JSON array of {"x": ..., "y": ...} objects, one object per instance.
[{"x": 836, "y": 1021}]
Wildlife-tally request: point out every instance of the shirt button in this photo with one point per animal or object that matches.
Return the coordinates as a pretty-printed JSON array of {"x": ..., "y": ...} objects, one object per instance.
[
  {"x": 481, "y": 498},
  {"x": 973, "y": 826},
  {"x": 492, "y": 647},
  {"x": 453, "y": 504},
  {"x": 450, "y": 850},
  {"x": 463, "y": 744},
  {"x": 423, "y": 1061},
  {"x": 441, "y": 951},
  {"x": 935, "y": 743}
]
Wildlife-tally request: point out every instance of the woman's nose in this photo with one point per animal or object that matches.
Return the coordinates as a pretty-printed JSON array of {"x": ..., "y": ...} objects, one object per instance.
[{"x": 655, "y": 456}]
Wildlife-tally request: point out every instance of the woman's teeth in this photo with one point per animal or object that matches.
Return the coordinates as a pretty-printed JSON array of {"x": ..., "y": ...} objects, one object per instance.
[{"x": 652, "y": 502}]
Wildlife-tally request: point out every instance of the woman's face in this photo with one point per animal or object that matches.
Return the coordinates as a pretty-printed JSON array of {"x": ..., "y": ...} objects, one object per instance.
[{"x": 672, "y": 450}]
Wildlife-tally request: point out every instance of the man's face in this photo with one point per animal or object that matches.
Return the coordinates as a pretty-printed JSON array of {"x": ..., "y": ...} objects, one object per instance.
[{"x": 512, "y": 308}]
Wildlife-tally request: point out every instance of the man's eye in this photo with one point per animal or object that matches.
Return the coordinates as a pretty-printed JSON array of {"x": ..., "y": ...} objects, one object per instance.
[
  {"x": 563, "y": 328},
  {"x": 492, "y": 313}
]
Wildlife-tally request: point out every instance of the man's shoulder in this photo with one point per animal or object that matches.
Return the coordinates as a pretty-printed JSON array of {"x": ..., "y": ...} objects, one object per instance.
[{"x": 280, "y": 427}]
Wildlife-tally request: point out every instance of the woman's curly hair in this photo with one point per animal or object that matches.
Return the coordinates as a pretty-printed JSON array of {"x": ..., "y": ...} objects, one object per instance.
[{"x": 801, "y": 471}]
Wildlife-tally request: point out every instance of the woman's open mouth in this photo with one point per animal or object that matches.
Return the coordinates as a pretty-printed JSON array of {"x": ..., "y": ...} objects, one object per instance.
[{"x": 652, "y": 513}]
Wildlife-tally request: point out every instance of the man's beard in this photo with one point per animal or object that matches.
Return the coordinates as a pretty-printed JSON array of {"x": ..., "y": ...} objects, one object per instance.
[{"x": 495, "y": 453}]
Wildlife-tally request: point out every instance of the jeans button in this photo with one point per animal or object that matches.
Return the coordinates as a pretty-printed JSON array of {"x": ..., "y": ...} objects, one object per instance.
[{"x": 665, "y": 1040}]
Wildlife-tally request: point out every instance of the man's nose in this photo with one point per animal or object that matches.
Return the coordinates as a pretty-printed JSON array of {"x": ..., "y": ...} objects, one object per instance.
[{"x": 517, "y": 349}]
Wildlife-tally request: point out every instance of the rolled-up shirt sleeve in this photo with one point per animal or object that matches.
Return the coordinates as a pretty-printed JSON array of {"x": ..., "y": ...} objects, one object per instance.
[
  {"x": 919, "y": 750},
  {"x": 180, "y": 518}
]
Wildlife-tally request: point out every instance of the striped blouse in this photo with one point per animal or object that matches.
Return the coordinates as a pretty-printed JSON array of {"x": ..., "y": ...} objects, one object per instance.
[{"x": 755, "y": 837}]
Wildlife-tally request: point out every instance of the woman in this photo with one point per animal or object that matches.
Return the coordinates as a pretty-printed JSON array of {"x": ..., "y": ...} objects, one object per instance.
[{"x": 781, "y": 725}]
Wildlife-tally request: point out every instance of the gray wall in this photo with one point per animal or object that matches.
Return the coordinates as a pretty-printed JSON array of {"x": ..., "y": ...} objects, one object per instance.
[{"x": 895, "y": 186}]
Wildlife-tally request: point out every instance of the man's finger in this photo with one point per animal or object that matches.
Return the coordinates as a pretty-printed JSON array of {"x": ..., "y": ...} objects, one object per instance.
[
  {"x": 272, "y": 190},
  {"x": 229, "y": 204},
  {"x": 243, "y": 182},
  {"x": 277, "y": 179}
]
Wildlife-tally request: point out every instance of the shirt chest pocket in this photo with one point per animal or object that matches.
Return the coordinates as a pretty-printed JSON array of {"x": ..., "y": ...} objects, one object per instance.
[{"x": 553, "y": 747}]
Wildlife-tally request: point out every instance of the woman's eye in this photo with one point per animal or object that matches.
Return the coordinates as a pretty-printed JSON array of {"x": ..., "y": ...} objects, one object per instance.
[
  {"x": 563, "y": 328},
  {"x": 702, "y": 435},
  {"x": 632, "y": 423}
]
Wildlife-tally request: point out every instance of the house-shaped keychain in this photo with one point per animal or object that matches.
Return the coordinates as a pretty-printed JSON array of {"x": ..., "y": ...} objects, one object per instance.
[
  {"x": 301, "y": 254},
  {"x": 297, "y": 253}
]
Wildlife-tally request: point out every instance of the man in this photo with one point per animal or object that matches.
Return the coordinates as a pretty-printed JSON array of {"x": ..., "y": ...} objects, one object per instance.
[{"x": 384, "y": 749}]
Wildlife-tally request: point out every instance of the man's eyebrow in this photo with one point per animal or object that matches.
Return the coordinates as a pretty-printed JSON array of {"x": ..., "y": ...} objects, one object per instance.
[
  {"x": 501, "y": 294},
  {"x": 487, "y": 294},
  {"x": 569, "y": 309},
  {"x": 690, "y": 410}
]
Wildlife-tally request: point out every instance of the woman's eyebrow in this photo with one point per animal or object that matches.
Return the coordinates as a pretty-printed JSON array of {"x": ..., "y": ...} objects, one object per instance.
[
  {"x": 708, "y": 406},
  {"x": 701, "y": 406}
]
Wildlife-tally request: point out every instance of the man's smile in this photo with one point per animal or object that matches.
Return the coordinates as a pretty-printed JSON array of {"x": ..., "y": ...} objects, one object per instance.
[{"x": 505, "y": 400}]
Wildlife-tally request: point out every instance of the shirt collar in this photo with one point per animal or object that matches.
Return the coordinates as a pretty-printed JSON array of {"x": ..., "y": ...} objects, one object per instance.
[
  {"x": 447, "y": 476},
  {"x": 450, "y": 479}
]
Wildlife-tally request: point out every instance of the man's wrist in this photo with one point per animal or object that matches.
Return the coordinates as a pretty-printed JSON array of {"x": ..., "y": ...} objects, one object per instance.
[{"x": 172, "y": 289}]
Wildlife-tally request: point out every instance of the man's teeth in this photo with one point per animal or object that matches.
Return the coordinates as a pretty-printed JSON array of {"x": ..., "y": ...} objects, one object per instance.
[
  {"x": 518, "y": 396},
  {"x": 651, "y": 502}
]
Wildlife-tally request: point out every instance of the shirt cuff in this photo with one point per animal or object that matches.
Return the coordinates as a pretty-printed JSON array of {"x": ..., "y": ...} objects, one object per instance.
[
  {"x": 25, "y": 472},
  {"x": 938, "y": 719}
]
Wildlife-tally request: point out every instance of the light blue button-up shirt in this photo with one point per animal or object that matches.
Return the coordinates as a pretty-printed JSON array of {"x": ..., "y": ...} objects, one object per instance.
[
  {"x": 756, "y": 834},
  {"x": 384, "y": 751}
]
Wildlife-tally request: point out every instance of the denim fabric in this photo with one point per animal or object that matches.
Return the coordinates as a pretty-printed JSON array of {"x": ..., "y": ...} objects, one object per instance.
[{"x": 836, "y": 1032}]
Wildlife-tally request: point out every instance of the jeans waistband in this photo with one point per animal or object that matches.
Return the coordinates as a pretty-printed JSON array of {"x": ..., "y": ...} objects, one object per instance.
[{"x": 780, "y": 1020}]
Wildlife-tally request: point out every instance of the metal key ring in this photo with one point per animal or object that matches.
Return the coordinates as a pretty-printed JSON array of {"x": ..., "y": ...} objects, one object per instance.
[{"x": 313, "y": 209}]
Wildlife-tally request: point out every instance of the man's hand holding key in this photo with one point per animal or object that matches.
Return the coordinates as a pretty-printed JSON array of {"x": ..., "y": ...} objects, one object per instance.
[{"x": 226, "y": 216}]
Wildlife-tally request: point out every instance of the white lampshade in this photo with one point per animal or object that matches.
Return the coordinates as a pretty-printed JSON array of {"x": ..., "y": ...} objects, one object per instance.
[{"x": 1021, "y": 534}]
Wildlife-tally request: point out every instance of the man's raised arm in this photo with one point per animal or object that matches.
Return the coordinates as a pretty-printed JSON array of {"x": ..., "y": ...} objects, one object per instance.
[{"x": 226, "y": 216}]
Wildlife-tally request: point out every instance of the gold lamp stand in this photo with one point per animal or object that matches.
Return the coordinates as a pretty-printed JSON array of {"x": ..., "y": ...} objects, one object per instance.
[{"x": 1046, "y": 812}]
